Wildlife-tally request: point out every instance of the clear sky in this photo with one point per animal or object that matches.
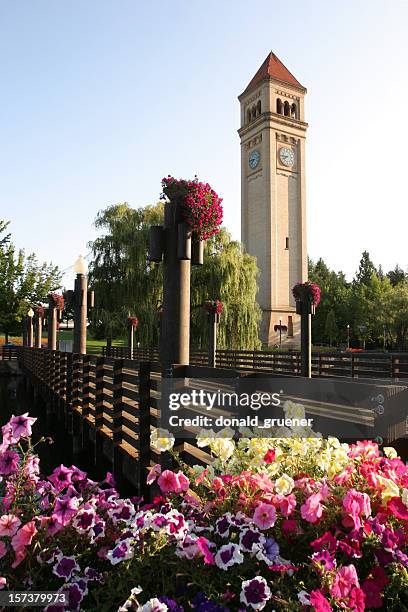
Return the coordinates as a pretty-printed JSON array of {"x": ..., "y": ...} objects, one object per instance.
[{"x": 100, "y": 99}]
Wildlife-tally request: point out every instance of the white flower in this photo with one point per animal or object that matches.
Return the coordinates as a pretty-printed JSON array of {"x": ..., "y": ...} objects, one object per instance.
[
  {"x": 390, "y": 452},
  {"x": 404, "y": 497},
  {"x": 205, "y": 437},
  {"x": 263, "y": 593},
  {"x": 162, "y": 440},
  {"x": 228, "y": 555},
  {"x": 304, "y": 598},
  {"x": 284, "y": 485},
  {"x": 293, "y": 411},
  {"x": 153, "y": 605},
  {"x": 226, "y": 432},
  {"x": 222, "y": 448}
]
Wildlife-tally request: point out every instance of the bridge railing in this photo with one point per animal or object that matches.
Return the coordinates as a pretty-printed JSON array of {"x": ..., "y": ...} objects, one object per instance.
[
  {"x": 333, "y": 364},
  {"x": 9, "y": 353}
]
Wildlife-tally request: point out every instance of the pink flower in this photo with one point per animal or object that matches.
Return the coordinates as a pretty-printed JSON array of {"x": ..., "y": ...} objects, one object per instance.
[
  {"x": 24, "y": 536},
  {"x": 286, "y": 503},
  {"x": 398, "y": 508},
  {"x": 184, "y": 482},
  {"x": 346, "y": 578},
  {"x": 61, "y": 477},
  {"x": 3, "y": 582},
  {"x": 3, "y": 549},
  {"x": 319, "y": 602},
  {"x": 8, "y": 462},
  {"x": 357, "y": 504},
  {"x": 168, "y": 482},
  {"x": 264, "y": 516},
  {"x": 21, "y": 425},
  {"x": 312, "y": 509},
  {"x": 372, "y": 591},
  {"x": 270, "y": 456},
  {"x": 357, "y": 600},
  {"x": 153, "y": 474},
  {"x": 9, "y": 524},
  {"x": 203, "y": 544}
]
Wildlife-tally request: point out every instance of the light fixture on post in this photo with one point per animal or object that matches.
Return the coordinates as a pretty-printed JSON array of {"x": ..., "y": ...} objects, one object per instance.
[
  {"x": 81, "y": 300},
  {"x": 30, "y": 337},
  {"x": 348, "y": 336}
]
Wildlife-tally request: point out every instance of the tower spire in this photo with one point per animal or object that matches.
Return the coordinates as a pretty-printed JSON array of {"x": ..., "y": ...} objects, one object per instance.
[{"x": 273, "y": 68}]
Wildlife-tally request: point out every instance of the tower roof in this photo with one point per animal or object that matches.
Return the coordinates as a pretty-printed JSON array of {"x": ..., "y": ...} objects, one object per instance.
[{"x": 274, "y": 69}]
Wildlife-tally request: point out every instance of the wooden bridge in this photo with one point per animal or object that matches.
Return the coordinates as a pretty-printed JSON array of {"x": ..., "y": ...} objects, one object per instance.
[{"x": 108, "y": 404}]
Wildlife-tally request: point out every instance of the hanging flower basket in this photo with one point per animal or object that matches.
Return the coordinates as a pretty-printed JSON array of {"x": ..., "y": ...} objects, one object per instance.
[
  {"x": 133, "y": 322},
  {"x": 56, "y": 301},
  {"x": 308, "y": 293},
  {"x": 200, "y": 205},
  {"x": 39, "y": 312},
  {"x": 213, "y": 306}
]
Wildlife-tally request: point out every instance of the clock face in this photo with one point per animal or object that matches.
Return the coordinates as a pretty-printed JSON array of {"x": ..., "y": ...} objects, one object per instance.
[
  {"x": 286, "y": 156},
  {"x": 254, "y": 159}
]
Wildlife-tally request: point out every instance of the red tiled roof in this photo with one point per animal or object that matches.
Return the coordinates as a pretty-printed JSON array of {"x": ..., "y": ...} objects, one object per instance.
[{"x": 273, "y": 67}]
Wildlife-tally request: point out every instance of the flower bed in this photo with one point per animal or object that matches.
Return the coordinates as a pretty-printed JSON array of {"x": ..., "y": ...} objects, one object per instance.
[
  {"x": 291, "y": 523},
  {"x": 201, "y": 206}
]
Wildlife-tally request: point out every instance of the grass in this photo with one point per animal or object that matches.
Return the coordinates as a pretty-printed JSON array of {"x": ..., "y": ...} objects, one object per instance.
[{"x": 93, "y": 346}]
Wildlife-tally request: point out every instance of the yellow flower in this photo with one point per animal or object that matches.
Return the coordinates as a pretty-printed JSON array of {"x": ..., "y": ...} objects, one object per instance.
[
  {"x": 284, "y": 485},
  {"x": 390, "y": 488},
  {"x": 390, "y": 452},
  {"x": 162, "y": 440},
  {"x": 404, "y": 497}
]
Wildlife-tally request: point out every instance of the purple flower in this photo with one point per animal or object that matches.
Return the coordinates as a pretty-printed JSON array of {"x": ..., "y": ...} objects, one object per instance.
[
  {"x": 249, "y": 538},
  {"x": 222, "y": 526},
  {"x": 65, "y": 566},
  {"x": 121, "y": 552},
  {"x": 21, "y": 426},
  {"x": 65, "y": 508},
  {"x": 228, "y": 555},
  {"x": 255, "y": 593},
  {"x": 8, "y": 462},
  {"x": 171, "y": 604},
  {"x": 61, "y": 477}
]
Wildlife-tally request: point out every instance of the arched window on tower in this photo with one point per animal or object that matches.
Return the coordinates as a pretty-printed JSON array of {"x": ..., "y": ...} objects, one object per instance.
[
  {"x": 293, "y": 111},
  {"x": 258, "y": 108},
  {"x": 253, "y": 112},
  {"x": 286, "y": 109},
  {"x": 248, "y": 115},
  {"x": 279, "y": 106}
]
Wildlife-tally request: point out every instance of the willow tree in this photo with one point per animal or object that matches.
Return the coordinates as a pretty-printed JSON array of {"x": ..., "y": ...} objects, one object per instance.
[{"x": 125, "y": 283}]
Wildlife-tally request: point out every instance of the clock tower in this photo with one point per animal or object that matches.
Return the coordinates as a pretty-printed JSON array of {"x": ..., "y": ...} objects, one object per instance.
[{"x": 273, "y": 206}]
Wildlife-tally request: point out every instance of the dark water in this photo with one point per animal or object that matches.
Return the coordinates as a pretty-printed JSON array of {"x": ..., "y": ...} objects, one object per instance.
[{"x": 16, "y": 399}]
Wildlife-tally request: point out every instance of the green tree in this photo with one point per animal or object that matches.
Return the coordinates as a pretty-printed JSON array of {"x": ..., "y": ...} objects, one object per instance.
[
  {"x": 330, "y": 329},
  {"x": 366, "y": 269},
  {"x": 23, "y": 283},
  {"x": 126, "y": 283},
  {"x": 397, "y": 275}
]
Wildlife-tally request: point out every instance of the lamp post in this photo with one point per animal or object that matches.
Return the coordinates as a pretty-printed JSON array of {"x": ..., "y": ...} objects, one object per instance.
[
  {"x": 348, "y": 335},
  {"x": 38, "y": 323},
  {"x": 132, "y": 326},
  {"x": 30, "y": 315},
  {"x": 81, "y": 299},
  {"x": 213, "y": 309}
]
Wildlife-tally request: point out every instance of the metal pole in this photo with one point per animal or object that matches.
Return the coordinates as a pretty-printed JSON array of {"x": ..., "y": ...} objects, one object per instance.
[
  {"x": 348, "y": 336},
  {"x": 80, "y": 313},
  {"x": 212, "y": 344},
  {"x": 306, "y": 340},
  {"x": 131, "y": 340},
  {"x": 175, "y": 331},
  {"x": 30, "y": 332},
  {"x": 385, "y": 340},
  {"x": 52, "y": 327},
  {"x": 280, "y": 332},
  {"x": 38, "y": 331}
]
